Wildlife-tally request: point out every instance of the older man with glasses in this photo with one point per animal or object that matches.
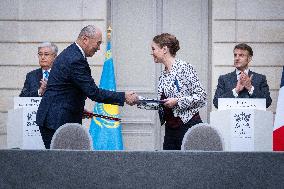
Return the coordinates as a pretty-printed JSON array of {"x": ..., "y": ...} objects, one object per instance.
[
  {"x": 36, "y": 80},
  {"x": 70, "y": 83}
]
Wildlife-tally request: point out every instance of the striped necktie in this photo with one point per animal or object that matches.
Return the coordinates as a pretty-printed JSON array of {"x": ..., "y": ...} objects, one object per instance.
[{"x": 46, "y": 74}]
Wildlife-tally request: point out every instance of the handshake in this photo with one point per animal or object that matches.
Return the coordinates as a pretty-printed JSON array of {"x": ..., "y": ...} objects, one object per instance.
[{"x": 131, "y": 98}]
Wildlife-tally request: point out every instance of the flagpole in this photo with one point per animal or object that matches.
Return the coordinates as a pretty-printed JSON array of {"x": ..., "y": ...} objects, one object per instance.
[{"x": 109, "y": 33}]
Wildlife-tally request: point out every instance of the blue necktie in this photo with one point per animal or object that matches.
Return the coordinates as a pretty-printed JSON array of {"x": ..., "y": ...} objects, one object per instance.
[{"x": 46, "y": 74}]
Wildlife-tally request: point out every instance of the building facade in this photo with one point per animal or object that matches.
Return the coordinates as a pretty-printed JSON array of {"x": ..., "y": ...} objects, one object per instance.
[{"x": 207, "y": 30}]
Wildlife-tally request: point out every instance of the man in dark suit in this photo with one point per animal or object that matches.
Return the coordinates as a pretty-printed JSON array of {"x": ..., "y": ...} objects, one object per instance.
[
  {"x": 242, "y": 83},
  {"x": 70, "y": 82},
  {"x": 35, "y": 83}
]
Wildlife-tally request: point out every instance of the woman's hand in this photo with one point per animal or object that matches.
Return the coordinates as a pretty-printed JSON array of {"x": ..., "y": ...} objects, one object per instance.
[{"x": 170, "y": 102}]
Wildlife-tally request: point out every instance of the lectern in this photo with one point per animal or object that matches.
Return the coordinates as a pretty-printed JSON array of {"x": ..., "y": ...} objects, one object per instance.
[
  {"x": 22, "y": 131},
  {"x": 244, "y": 124}
]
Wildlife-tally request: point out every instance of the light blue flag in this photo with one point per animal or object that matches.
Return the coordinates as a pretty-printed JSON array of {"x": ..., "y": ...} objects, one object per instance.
[{"x": 106, "y": 133}]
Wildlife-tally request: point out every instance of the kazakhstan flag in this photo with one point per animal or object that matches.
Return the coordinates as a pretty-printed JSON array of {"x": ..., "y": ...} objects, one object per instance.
[{"x": 106, "y": 133}]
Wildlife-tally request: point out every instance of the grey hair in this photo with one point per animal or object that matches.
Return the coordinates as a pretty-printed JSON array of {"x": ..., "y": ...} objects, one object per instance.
[
  {"x": 88, "y": 31},
  {"x": 53, "y": 47}
]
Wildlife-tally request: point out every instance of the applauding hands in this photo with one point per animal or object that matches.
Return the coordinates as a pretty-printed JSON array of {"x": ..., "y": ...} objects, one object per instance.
[
  {"x": 42, "y": 88},
  {"x": 244, "y": 82}
]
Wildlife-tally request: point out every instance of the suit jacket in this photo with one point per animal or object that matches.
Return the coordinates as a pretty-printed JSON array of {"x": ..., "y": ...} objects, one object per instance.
[
  {"x": 226, "y": 83},
  {"x": 32, "y": 84},
  {"x": 69, "y": 83}
]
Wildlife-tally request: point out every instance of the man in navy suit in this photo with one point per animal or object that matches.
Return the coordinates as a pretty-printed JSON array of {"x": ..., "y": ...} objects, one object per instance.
[
  {"x": 70, "y": 83},
  {"x": 35, "y": 83},
  {"x": 242, "y": 83}
]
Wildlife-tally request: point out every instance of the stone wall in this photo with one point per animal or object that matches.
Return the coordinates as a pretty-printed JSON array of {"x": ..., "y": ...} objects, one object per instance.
[
  {"x": 258, "y": 23},
  {"x": 24, "y": 24}
]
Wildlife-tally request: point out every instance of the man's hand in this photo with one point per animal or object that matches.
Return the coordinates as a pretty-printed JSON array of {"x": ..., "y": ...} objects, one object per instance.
[
  {"x": 131, "y": 98},
  {"x": 42, "y": 87},
  {"x": 246, "y": 81},
  {"x": 248, "y": 84},
  {"x": 239, "y": 87}
]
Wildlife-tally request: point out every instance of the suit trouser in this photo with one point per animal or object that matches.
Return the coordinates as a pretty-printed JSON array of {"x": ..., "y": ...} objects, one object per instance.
[{"x": 46, "y": 135}]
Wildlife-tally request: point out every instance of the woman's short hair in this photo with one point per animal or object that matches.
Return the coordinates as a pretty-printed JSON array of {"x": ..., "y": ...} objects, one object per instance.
[{"x": 169, "y": 40}]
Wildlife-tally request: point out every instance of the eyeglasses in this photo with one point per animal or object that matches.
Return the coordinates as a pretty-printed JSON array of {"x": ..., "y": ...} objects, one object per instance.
[{"x": 44, "y": 54}]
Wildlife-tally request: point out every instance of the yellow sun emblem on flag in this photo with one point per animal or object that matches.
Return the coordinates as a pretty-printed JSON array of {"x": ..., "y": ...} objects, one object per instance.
[{"x": 107, "y": 110}]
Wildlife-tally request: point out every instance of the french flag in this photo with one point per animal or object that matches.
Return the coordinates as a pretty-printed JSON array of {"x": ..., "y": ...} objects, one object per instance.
[{"x": 278, "y": 132}]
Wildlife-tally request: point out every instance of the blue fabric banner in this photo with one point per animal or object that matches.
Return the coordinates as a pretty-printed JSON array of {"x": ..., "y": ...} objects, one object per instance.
[{"x": 106, "y": 133}]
